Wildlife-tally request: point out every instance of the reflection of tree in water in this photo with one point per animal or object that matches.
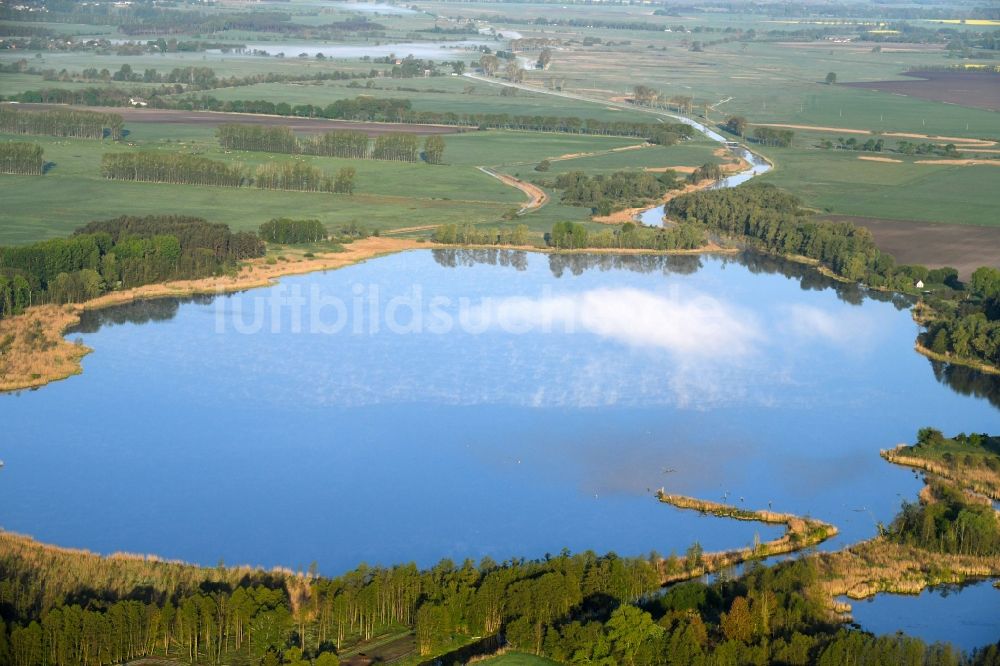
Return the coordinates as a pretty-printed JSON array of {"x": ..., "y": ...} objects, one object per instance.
[
  {"x": 138, "y": 312},
  {"x": 811, "y": 279},
  {"x": 517, "y": 259},
  {"x": 577, "y": 264},
  {"x": 968, "y": 381}
]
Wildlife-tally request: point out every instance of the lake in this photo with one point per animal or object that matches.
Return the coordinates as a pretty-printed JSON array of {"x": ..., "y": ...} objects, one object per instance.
[
  {"x": 457, "y": 403},
  {"x": 966, "y": 616}
]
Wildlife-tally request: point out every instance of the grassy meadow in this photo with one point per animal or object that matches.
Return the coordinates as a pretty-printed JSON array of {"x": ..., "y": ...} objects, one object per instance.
[
  {"x": 388, "y": 195},
  {"x": 841, "y": 182},
  {"x": 768, "y": 81}
]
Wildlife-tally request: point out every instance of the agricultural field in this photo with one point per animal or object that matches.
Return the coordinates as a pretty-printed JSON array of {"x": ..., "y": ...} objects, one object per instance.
[
  {"x": 840, "y": 182},
  {"x": 388, "y": 195}
]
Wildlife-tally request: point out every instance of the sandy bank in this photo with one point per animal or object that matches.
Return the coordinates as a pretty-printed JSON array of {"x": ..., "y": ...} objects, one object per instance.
[
  {"x": 800, "y": 533},
  {"x": 868, "y": 158}
]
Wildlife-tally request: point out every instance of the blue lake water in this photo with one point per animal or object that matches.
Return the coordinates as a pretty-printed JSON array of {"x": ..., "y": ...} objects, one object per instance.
[
  {"x": 967, "y": 616},
  {"x": 464, "y": 418}
]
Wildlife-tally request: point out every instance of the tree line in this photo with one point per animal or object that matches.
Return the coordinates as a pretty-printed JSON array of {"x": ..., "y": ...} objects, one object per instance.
[
  {"x": 23, "y": 158},
  {"x": 963, "y": 321},
  {"x": 773, "y": 220},
  {"x": 580, "y": 608},
  {"x": 470, "y": 234},
  {"x": 287, "y": 231},
  {"x": 76, "y": 124},
  {"x": 395, "y": 146},
  {"x": 117, "y": 254},
  {"x": 149, "y": 166},
  {"x": 168, "y": 167},
  {"x": 772, "y": 136},
  {"x": 370, "y": 109},
  {"x": 628, "y": 236}
]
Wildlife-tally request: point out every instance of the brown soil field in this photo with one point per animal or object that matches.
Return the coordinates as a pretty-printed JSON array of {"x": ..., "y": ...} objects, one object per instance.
[
  {"x": 976, "y": 89},
  {"x": 215, "y": 118},
  {"x": 678, "y": 169},
  {"x": 961, "y": 143},
  {"x": 878, "y": 159},
  {"x": 961, "y": 162},
  {"x": 962, "y": 246}
]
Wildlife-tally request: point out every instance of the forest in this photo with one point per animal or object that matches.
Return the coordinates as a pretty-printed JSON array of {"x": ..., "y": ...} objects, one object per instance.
[
  {"x": 968, "y": 328},
  {"x": 70, "y": 607},
  {"x": 118, "y": 254},
  {"x": 76, "y": 124},
  {"x": 605, "y": 193},
  {"x": 22, "y": 158},
  {"x": 773, "y": 220}
]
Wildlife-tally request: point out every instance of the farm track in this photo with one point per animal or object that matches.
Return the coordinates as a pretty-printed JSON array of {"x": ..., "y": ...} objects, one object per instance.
[{"x": 538, "y": 197}]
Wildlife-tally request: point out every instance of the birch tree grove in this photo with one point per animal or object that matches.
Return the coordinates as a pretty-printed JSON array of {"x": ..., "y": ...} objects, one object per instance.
[
  {"x": 76, "y": 124},
  {"x": 163, "y": 167},
  {"x": 396, "y": 147},
  {"x": 292, "y": 176},
  {"x": 339, "y": 144},
  {"x": 234, "y": 136},
  {"x": 21, "y": 158}
]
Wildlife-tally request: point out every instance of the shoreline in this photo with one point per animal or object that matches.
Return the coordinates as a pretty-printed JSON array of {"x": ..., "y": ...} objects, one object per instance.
[
  {"x": 800, "y": 533},
  {"x": 50, "y": 357},
  {"x": 57, "y": 358},
  {"x": 895, "y": 457},
  {"x": 52, "y": 360},
  {"x": 979, "y": 366}
]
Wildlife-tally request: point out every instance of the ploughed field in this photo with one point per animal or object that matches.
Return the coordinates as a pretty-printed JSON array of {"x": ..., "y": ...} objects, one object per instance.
[
  {"x": 962, "y": 246},
  {"x": 977, "y": 89}
]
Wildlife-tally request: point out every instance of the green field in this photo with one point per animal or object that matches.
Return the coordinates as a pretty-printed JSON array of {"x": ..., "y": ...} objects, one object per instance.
[
  {"x": 388, "y": 195},
  {"x": 838, "y": 182},
  {"x": 772, "y": 80}
]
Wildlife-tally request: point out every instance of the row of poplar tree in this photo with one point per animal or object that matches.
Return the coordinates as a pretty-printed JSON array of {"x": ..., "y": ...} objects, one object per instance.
[
  {"x": 168, "y": 167},
  {"x": 20, "y": 157},
  {"x": 60, "y": 122},
  {"x": 393, "y": 146}
]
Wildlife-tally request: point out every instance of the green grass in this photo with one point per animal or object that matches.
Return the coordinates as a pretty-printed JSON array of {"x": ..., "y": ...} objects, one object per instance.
[
  {"x": 498, "y": 148},
  {"x": 838, "y": 182},
  {"x": 688, "y": 153},
  {"x": 439, "y": 93},
  {"x": 389, "y": 194}
]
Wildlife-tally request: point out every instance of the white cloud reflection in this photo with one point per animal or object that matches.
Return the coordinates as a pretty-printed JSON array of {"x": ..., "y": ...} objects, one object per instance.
[
  {"x": 695, "y": 327},
  {"x": 853, "y": 329}
]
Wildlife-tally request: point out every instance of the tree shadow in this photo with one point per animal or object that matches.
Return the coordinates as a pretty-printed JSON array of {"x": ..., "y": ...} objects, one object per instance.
[{"x": 48, "y": 166}]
